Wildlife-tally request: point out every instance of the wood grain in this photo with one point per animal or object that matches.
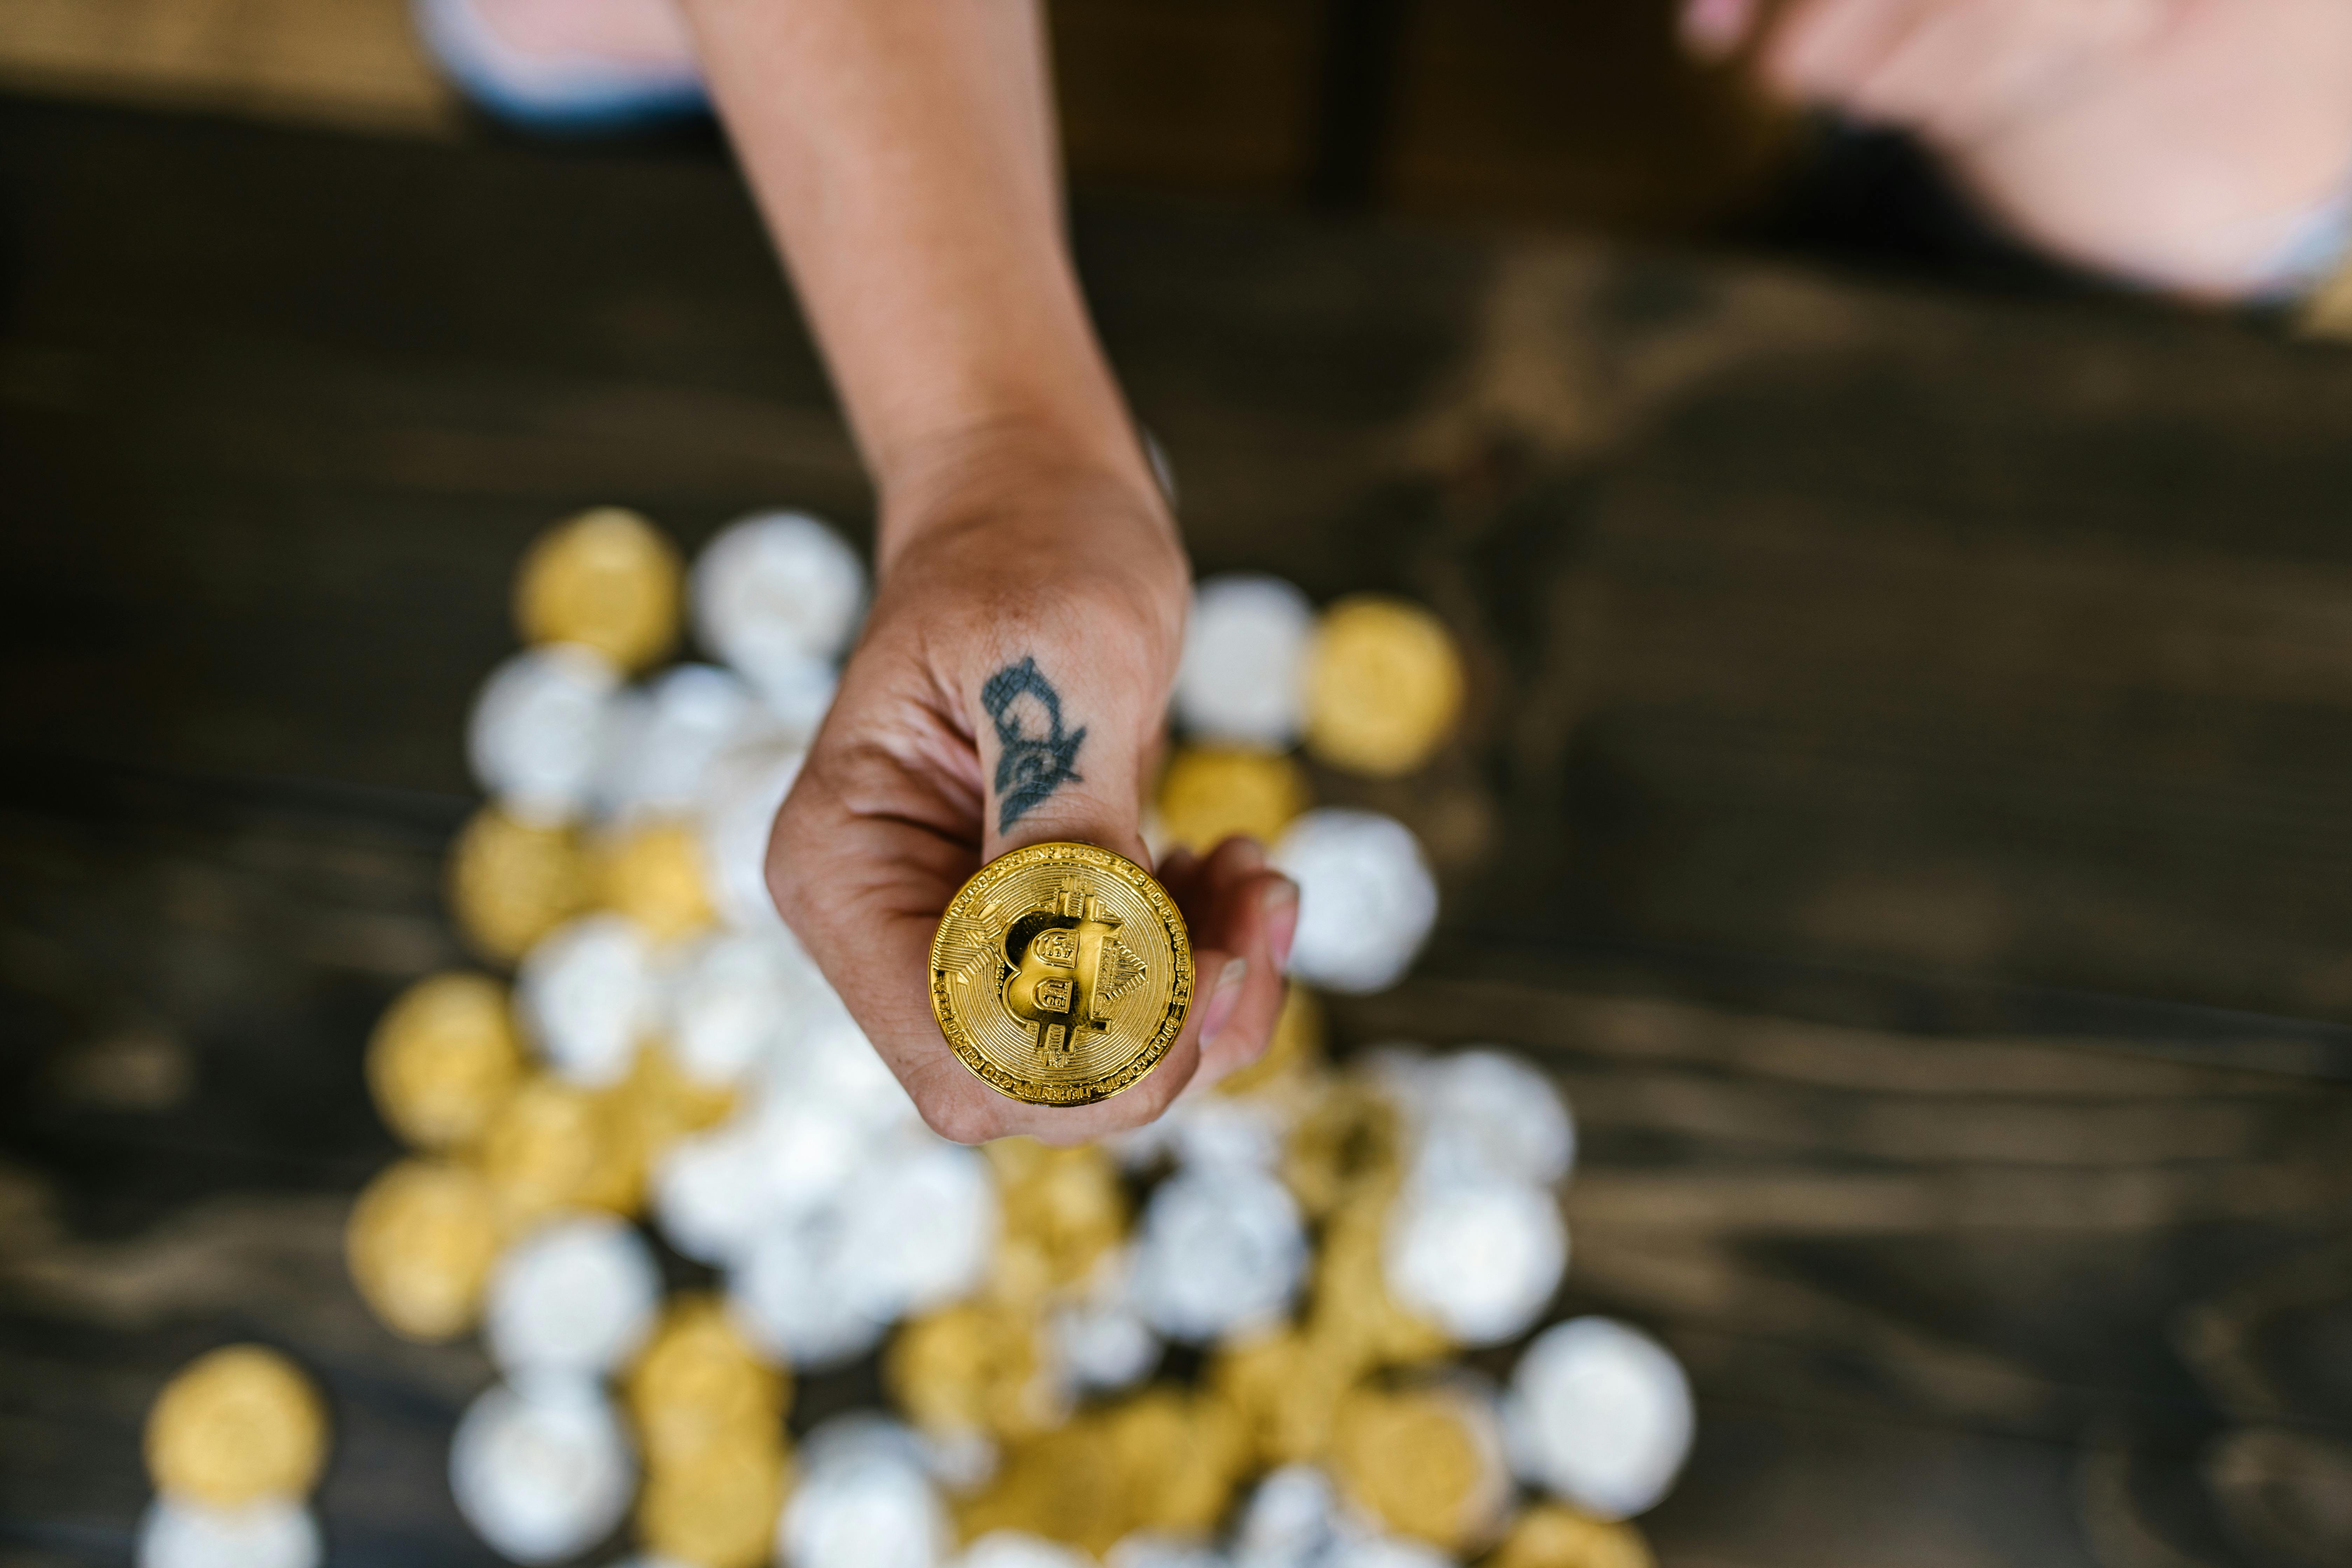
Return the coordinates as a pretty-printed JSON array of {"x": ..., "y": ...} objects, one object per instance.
[{"x": 1902, "y": 803}]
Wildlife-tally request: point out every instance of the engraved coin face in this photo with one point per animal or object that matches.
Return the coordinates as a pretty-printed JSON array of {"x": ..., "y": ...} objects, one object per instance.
[{"x": 1061, "y": 974}]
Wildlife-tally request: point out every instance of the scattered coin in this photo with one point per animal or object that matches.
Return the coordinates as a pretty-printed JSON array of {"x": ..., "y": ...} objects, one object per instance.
[
  {"x": 607, "y": 579},
  {"x": 1427, "y": 1461},
  {"x": 1552, "y": 1536},
  {"x": 1383, "y": 686},
  {"x": 511, "y": 883},
  {"x": 718, "y": 1508},
  {"x": 577, "y": 1295},
  {"x": 586, "y": 993},
  {"x": 420, "y": 1244},
  {"x": 699, "y": 1382},
  {"x": 238, "y": 1425},
  {"x": 272, "y": 1532},
  {"x": 540, "y": 1467},
  {"x": 1600, "y": 1414},
  {"x": 1207, "y": 795},
  {"x": 1242, "y": 676},
  {"x": 1061, "y": 974},
  {"x": 1366, "y": 898},
  {"x": 443, "y": 1059},
  {"x": 555, "y": 1146},
  {"x": 537, "y": 734},
  {"x": 654, "y": 875}
]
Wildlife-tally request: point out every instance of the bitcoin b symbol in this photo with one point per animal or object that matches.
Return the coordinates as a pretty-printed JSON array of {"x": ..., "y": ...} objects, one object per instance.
[{"x": 1068, "y": 967}]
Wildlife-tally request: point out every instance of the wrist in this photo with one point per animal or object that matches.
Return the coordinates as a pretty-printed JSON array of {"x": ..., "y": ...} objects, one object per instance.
[{"x": 1016, "y": 466}]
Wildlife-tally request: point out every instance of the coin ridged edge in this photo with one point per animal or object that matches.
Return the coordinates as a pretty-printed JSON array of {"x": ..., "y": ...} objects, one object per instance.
[{"x": 1180, "y": 991}]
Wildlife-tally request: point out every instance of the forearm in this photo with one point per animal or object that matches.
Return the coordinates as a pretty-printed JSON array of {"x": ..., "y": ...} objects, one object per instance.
[{"x": 903, "y": 152}]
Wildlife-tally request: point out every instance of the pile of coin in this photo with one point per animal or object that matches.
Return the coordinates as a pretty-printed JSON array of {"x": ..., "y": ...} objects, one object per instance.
[
  {"x": 234, "y": 1445},
  {"x": 1373, "y": 687},
  {"x": 656, "y": 1165}
]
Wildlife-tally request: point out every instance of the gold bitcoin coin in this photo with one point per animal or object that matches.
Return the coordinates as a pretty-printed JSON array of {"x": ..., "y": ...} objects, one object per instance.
[
  {"x": 444, "y": 1057},
  {"x": 510, "y": 884},
  {"x": 1062, "y": 1209},
  {"x": 1550, "y": 1535},
  {"x": 552, "y": 1146},
  {"x": 1427, "y": 1461},
  {"x": 608, "y": 578},
  {"x": 1209, "y": 794},
  {"x": 1383, "y": 686},
  {"x": 420, "y": 1244},
  {"x": 1061, "y": 974},
  {"x": 236, "y": 1426},
  {"x": 718, "y": 1510},
  {"x": 654, "y": 875},
  {"x": 700, "y": 1386}
]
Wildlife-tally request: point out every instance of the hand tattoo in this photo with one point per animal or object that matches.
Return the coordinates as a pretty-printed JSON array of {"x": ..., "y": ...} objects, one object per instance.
[{"x": 1036, "y": 754}]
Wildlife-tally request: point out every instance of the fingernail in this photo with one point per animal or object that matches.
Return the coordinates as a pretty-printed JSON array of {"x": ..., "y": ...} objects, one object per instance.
[
  {"x": 1713, "y": 28},
  {"x": 1244, "y": 853},
  {"x": 1224, "y": 997},
  {"x": 1280, "y": 902}
]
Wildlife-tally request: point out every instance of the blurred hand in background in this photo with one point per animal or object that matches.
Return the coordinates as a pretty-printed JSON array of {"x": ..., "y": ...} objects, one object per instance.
[{"x": 2200, "y": 146}]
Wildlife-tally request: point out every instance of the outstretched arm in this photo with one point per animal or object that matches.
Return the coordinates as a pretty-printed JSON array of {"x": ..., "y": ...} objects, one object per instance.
[{"x": 903, "y": 152}]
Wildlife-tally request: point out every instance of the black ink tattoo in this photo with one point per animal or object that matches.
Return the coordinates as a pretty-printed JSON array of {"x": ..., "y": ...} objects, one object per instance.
[{"x": 1037, "y": 754}]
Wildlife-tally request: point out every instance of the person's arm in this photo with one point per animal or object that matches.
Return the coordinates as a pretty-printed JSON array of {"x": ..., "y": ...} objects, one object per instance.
[{"x": 903, "y": 152}]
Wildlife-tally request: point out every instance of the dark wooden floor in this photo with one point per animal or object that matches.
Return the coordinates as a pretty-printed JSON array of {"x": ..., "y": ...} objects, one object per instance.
[{"x": 1908, "y": 799}]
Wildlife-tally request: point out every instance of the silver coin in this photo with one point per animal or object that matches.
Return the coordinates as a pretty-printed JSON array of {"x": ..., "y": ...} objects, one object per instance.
[
  {"x": 587, "y": 997},
  {"x": 1601, "y": 1414},
  {"x": 578, "y": 1295},
  {"x": 863, "y": 1501},
  {"x": 1220, "y": 1252},
  {"x": 540, "y": 1467},
  {"x": 1019, "y": 1549},
  {"x": 274, "y": 1532},
  {"x": 660, "y": 740},
  {"x": 1479, "y": 1258},
  {"x": 536, "y": 732},
  {"x": 1242, "y": 676},
  {"x": 777, "y": 589},
  {"x": 1366, "y": 898}
]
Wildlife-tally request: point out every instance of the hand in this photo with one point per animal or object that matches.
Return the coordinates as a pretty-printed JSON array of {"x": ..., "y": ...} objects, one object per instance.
[
  {"x": 2186, "y": 144},
  {"x": 1078, "y": 581}
]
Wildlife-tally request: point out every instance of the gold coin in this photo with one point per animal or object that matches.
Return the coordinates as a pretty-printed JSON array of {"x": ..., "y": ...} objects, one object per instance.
[
  {"x": 718, "y": 1510},
  {"x": 443, "y": 1057},
  {"x": 1064, "y": 1485},
  {"x": 1060, "y": 1209},
  {"x": 654, "y": 875},
  {"x": 510, "y": 884},
  {"x": 1294, "y": 1053},
  {"x": 1352, "y": 1303},
  {"x": 1286, "y": 1386},
  {"x": 1425, "y": 1461},
  {"x": 1346, "y": 1142},
  {"x": 554, "y": 1146},
  {"x": 238, "y": 1425},
  {"x": 1179, "y": 1456},
  {"x": 1552, "y": 1535},
  {"x": 699, "y": 1385},
  {"x": 420, "y": 1244},
  {"x": 606, "y": 578},
  {"x": 1383, "y": 686},
  {"x": 974, "y": 1367},
  {"x": 1209, "y": 794},
  {"x": 656, "y": 1104},
  {"x": 1061, "y": 974}
]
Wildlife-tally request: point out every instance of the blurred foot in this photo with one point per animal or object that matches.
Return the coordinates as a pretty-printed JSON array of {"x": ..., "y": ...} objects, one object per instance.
[{"x": 567, "y": 64}]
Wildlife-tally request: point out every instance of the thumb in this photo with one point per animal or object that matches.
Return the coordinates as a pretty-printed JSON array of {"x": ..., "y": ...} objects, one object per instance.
[{"x": 1064, "y": 752}]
